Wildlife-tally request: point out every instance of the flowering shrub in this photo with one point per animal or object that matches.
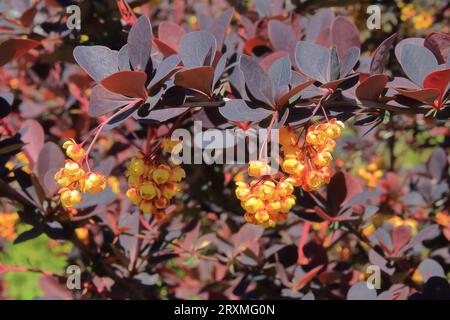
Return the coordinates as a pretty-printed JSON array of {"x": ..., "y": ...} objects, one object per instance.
[{"x": 95, "y": 121}]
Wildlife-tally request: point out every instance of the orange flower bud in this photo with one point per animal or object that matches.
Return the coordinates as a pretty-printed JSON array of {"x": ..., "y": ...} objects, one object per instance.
[{"x": 161, "y": 203}]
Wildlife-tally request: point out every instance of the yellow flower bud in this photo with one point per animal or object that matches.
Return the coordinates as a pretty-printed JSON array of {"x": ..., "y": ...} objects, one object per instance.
[
  {"x": 287, "y": 137},
  {"x": 177, "y": 174},
  {"x": 70, "y": 197},
  {"x": 73, "y": 150},
  {"x": 289, "y": 165},
  {"x": 314, "y": 180},
  {"x": 170, "y": 190},
  {"x": 73, "y": 169},
  {"x": 273, "y": 206},
  {"x": 242, "y": 192},
  {"x": 268, "y": 190},
  {"x": 253, "y": 204},
  {"x": 133, "y": 195},
  {"x": 299, "y": 170},
  {"x": 134, "y": 181},
  {"x": 148, "y": 191},
  {"x": 136, "y": 167},
  {"x": 322, "y": 159},
  {"x": 82, "y": 234},
  {"x": 146, "y": 206},
  {"x": 258, "y": 169},
  {"x": 285, "y": 188},
  {"x": 161, "y": 174},
  {"x": 262, "y": 216},
  {"x": 287, "y": 203},
  {"x": 93, "y": 182}
]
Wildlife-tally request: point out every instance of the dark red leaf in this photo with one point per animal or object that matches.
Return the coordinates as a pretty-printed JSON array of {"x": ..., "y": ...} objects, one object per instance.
[
  {"x": 199, "y": 79},
  {"x": 439, "y": 44},
  {"x": 127, "y": 83},
  {"x": 12, "y": 49},
  {"x": 372, "y": 87}
]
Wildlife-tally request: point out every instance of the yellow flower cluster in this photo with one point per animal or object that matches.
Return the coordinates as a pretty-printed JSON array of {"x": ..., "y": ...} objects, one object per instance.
[
  {"x": 308, "y": 165},
  {"x": 7, "y": 225},
  {"x": 379, "y": 220},
  {"x": 152, "y": 185},
  {"x": 74, "y": 180},
  {"x": 371, "y": 174},
  {"x": 421, "y": 21},
  {"x": 266, "y": 202}
]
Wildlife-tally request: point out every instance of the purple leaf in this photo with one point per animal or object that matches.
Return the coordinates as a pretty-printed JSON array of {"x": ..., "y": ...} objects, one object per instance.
[
  {"x": 417, "y": 62},
  {"x": 349, "y": 61},
  {"x": 219, "y": 27},
  {"x": 103, "y": 101},
  {"x": 425, "y": 234},
  {"x": 33, "y": 136},
  {"x": 292, "y": 92},
  {"x": 430, "y": 268},
  {"x": 140, "y": 43},
  {"x": 280, "y": 75},
  {"x": 51, "y": 158},
  {"x": 220, "y": 67},
  {"x": 170, "y": 34},
  {"x": 98, "y": 61},
  {"x": 360, "y": 291},
  {"x": 321, "y": 20},
  {"x": 195, "y": 48},
  {"x": 399, "y": 47},
  {"x": 344, "y": 35},
  {"x": 312, "y": 60},
  {"x": 162, "y": 115},
  {"x": 381, "y": 55},
  {"x": 124, "y": 59},
  {"x": 282, "y": 37},
  {"x": 238, "y": 110},
  {"x": 437, "y": 164},
  {"x": 257, "y": 80},
  {"x": 165, "y": 68}
]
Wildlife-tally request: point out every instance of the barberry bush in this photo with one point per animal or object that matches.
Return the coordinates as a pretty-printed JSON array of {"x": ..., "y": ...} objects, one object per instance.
[{"x": 352, "y": 203}]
